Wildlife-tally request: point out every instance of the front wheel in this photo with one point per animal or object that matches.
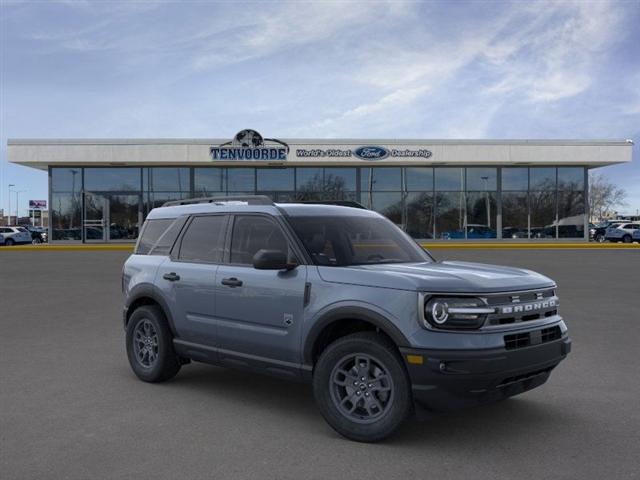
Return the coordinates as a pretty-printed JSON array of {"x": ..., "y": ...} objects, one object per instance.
[
  {"x": 362, "y": 388},
  {"x": 9, "y": 242},
  {"x": 626, "y": 239},
  {"x": 36, "y": 241},
  {"x": 150, "y": 345},
  {"x": 599, "y": 238}
]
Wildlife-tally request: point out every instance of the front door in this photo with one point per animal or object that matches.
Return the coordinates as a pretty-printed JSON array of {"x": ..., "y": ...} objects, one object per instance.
[
  {"x": 259, "y": 313},
  {"x": 111, "y": 217}
]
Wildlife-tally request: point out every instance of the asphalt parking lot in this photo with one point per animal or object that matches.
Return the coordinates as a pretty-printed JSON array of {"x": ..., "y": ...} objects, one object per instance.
[{"x": 71, "y": 408}]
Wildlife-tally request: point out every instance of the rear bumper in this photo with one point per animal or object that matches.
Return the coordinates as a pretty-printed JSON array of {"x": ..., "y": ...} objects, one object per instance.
[{"x": 451, "y": 379}]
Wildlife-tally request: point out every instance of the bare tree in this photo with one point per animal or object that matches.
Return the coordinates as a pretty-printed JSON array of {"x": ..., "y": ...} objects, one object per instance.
[{"x": 604, "y": 196}]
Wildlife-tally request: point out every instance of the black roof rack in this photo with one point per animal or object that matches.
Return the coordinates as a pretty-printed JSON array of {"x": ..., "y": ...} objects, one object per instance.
[
  {"x": 340, "y": 203},
  {"x": 249, "y": 199}
]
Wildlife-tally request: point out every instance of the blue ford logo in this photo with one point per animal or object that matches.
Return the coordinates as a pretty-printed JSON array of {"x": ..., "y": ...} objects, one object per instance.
[{"x": 371, "y": 153}]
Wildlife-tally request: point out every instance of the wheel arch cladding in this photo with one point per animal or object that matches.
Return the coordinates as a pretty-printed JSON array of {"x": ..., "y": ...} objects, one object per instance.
[
  {"x": 145, "y": 296},
  {"x": 343, "y": 321}
]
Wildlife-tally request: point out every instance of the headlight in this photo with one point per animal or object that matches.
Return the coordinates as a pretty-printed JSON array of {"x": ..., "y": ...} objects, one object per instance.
[{"x": 455, "y": 312}]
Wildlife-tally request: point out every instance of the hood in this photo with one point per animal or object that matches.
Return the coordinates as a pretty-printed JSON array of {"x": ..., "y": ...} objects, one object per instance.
[{"x": 454, "y": 277}]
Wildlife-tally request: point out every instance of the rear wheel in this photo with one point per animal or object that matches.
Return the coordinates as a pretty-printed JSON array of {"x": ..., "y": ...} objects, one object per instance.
[
  {"x": 150, "y": 345},
  {"x": 362, "y": 388},
  {"x": 599, "y": 238},
  {"x": 36, "y": 241},
  {"x": 9, "y": 242},
  {"x": 626, "y": 239}
]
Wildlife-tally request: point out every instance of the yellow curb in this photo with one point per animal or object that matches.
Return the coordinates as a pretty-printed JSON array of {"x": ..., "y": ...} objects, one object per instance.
[{"x": 48, "y": 248}]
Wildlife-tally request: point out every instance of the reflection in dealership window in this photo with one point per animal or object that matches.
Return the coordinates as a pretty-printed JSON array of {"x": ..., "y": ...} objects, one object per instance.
[
  {"x": 515, "y": 179},
  {"x": 209, "y": 182},
  {"x": 112, "y": 179},
  {"x": 543, "y": 214},
  {"x": 449, "y": 179},
  {"x": 167, "y": 179},
  {"x": 275, "y": 179},
  {"x": 66, "y": 216},
  {"x": 420, "y": 214},
  {"x": 570, "y": 178},
  {"x": 449, "y": 208},
  {"x": 515, "y": 214},
  {"x": 388, "y": 204},
  {"x": 571, "y": 211},
  {"x": 542, "y": 178},
  {"x": 482, "y": 179},
  {"x": 481, "y": 215}
]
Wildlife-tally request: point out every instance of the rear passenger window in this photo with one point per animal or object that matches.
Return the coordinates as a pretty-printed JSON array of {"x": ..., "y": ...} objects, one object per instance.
[
  {"x": 152, "y": 231},
  {"x": 168, "y": 238},
  {"x": 204, "y": 239},
  {"x": 253, "y": 233}
]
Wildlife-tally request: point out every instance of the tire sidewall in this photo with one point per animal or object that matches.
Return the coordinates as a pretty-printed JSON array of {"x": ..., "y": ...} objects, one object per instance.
[
  {"x": 400, "y": 408},
  {"x": 166, "y": 365}
]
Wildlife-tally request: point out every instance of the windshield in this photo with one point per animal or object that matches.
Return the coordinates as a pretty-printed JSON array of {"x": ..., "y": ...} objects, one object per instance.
[{"x": 342, "y": 241}]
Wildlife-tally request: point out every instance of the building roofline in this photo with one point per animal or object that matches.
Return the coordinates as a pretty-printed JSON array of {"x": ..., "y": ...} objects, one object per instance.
[{"x": 317, "y": 141}]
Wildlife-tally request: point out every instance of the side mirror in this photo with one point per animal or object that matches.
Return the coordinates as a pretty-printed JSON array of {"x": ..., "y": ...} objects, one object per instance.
[{"x": 271, "y": 260}]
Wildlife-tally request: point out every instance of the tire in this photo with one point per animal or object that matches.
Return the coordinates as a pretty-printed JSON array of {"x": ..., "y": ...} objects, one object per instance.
[
  {"x": 9, "y": 242},
  {"x": 159, "y": 361},
  {"x": 36, "y": 241},
  {"x": 626, "y": 239},
  {"x": 388, "y": 400},
  {"x": 599, "y": 238}
]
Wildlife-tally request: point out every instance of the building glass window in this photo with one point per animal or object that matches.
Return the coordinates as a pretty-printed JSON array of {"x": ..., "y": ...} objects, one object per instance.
[
  {"x": 450, "y": 221},
  {"x": 275, "y": 179},
  {"x": 112, "y": 179},
  {"x": 241, "y": 180},
  {"x": 449, "y": 179},
  {"x": 571, "y": 214},
  {"x": 542, "y": 211},
  {"x": 381, "y": 179},
  {"x": 515, "y": 215},
  {"x": 482, "y": 179},
  {"x": 481, "y": 215},
  {"x": 542, "y": 178},
  {"x": 66, "y": 179},
  {"x": 165, "y": 179},
  {"x": 419, "y": 179},
  {"x": 66, "y": 216},
  {"x": 339, "y": 180},
  {"x": 420, "y": 215},
  {"x": 388, "y": 204},
  {"x": 515, "y": 179},
  {"x": 157, "y": 199},
  {"x": 208, "y": 182},
  {"x": 571, "y": 178}
]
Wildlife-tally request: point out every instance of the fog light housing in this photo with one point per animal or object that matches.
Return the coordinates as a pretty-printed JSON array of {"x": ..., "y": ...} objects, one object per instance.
[{"x": 456, "y": 312}]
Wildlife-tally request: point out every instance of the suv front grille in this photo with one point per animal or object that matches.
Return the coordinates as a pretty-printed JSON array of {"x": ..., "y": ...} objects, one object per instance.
[
  {"x": 519, "y": 307},
  {"x": 521, "y": 340}
]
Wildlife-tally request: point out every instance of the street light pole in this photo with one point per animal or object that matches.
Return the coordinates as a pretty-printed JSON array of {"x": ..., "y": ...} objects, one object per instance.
[
  {"x": 9, "y": 210},
  {"x": 18, "y": 192}
]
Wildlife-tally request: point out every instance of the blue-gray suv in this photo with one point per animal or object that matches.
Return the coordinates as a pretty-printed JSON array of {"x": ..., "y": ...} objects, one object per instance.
[{"x": 338, "y": 297}]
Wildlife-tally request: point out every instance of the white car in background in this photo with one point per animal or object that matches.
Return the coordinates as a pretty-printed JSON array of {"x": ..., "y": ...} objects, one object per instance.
[
  {"x": 636, "y": 236},
  {"x": 14, "y": 236},
  {"x": 622, "y": 233}
]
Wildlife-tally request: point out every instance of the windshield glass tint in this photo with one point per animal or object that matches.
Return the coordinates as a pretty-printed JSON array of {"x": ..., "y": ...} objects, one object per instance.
[{"x": 344, "y": 241}]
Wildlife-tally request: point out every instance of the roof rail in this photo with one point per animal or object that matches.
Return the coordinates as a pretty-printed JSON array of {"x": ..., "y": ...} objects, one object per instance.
[
  {"x": 249, "y": 199},
  {"x": 340, "y": 203}
]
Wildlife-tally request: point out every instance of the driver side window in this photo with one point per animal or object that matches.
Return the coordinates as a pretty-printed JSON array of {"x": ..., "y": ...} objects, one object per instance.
[{"x": 252, "y": 233}]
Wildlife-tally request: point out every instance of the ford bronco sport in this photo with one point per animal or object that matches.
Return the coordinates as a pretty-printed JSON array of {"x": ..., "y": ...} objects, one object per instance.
[{"x": 338, "y": 297}]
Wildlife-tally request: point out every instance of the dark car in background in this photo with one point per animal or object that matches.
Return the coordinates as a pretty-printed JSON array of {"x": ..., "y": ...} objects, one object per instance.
[
  {"x": 599, "y": 232},
  {"x": 38, "y": 234}
]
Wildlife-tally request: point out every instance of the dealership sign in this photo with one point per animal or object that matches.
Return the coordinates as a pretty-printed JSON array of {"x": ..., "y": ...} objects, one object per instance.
[
  {"x": 38, "y": 204},
  {"x": 250, "y": 145},
  {"x": 366, "y": 152}
]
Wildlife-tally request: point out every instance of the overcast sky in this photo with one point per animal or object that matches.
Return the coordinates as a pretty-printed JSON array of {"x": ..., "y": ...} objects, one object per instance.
[{"x": 399, "y": 69}]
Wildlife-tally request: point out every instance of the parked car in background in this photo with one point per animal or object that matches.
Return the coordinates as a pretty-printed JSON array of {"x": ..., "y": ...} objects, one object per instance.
[
  {"x": 473, "y": 231},
  {"x": 15, "y": 236},
  {"x": 514, "y": 232},
  {"x": 599, "y": 231},
  {"x": 636, "y": 236},
  {"x": 38, "y": 234},
  {"x": 622, "y": 232}
]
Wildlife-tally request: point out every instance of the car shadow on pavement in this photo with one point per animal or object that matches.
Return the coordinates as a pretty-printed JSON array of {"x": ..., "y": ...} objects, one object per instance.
[{"x": 501, "y": 421}]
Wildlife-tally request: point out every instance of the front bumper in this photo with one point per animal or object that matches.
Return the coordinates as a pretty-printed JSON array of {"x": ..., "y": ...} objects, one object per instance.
[{"x": 451, "y": 379}]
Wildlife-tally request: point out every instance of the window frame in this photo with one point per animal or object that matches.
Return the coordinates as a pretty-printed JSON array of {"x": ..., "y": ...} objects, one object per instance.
[{"x": 177, "y": 246}]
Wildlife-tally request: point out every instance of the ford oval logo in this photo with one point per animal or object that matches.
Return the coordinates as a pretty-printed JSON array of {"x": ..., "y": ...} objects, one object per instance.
[{"x": 371, "y": 153}]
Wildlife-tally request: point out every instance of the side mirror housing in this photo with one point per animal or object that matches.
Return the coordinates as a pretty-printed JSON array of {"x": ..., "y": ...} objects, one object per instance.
[{"x": 271, "y": 260}]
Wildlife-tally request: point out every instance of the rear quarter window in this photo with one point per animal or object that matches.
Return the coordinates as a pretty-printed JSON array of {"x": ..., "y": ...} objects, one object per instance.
[{"x": 152, "y": 231}]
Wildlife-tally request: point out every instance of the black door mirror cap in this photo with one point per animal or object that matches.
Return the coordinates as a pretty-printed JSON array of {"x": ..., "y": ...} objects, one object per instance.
[{"x": 272, "y": 260}]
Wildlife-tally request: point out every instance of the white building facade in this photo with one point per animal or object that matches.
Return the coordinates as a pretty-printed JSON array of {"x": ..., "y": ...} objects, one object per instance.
[{"x": 101, "y": 190}]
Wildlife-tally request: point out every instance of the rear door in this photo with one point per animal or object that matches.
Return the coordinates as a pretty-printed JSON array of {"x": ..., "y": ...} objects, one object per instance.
[
  {"x": 259, "y": 312},
  {"x": 187, "y": 278}
]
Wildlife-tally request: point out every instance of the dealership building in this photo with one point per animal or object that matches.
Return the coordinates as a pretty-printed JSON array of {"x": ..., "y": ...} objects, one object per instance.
[{"x": 101, "y": 190}]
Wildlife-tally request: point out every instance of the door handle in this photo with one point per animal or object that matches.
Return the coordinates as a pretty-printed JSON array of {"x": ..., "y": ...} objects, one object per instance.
[
  {"x": 231, "y": 282},
  {"x": 172, "y": 277}
]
